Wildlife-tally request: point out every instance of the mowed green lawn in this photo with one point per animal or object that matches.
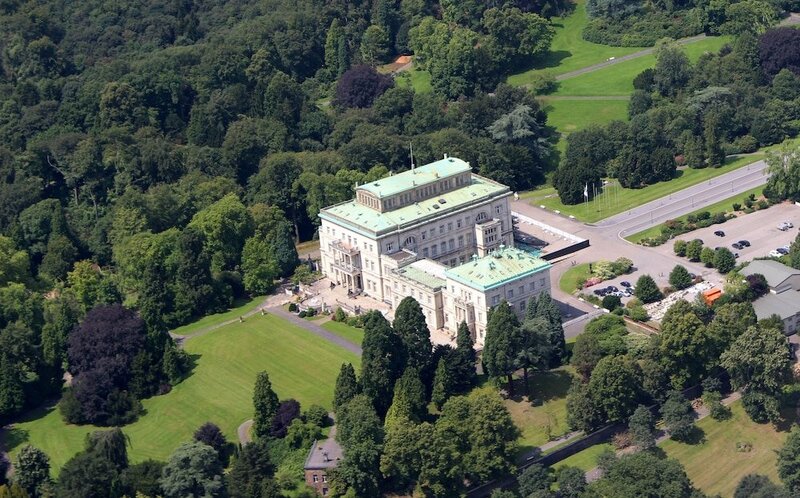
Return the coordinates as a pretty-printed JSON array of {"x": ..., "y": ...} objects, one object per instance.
[
  {"x": 300, "y": 365},
  {"x": 617, "y": 79},
  {"x": 569, "y": 51},
  {"x": 414, "y": 78},
  {"x": 534, "y": 422},
  {"x": 352, "y": 334},
  {"x": 568, "y": 116},
  {"x": 240, "y": 308},
  {"x": 715, "y": 466},
  {"x": 569, "y": 280},
  {"x": 616, "y": 199}
]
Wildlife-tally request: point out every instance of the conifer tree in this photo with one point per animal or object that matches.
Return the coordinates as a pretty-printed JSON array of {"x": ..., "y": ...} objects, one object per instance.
[
  {"x": 266, "y": 404},
  {"x": 382, "y": 361},
  {"x": 346, "y": 386},
  {"x": 464, "y": 359},
  {"x": 409, "y": 323},
  {"x": 502, "y": 343},
  {"x": 442, "y": 384},
  {"x": 548, "y": 309},
  {"x": 408, "y": 402}
]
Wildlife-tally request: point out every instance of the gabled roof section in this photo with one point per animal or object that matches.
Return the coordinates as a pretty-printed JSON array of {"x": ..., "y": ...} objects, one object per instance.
[
  {"x": 499, "y": 267},
  {"x": 418, "y": 177},
  {"x": 776, "y": 273}
]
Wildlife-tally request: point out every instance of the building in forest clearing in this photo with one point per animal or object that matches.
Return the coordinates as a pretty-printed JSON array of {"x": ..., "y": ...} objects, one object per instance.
[{"x": 438, "y": 233}]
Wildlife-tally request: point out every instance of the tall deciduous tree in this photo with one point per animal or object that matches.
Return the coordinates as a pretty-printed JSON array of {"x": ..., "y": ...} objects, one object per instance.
[
  {"x": 359, "y": 86},
  {"x": 193, "y": 470},
  {"x": 685, "y": 347},
  {"x": 678, "y": 416},
  {"x": 644, "y": 474},
  {"x": 101, "y": 355},
  {"x": 32, "y": 470},
  {"x": 642, "y": 427},
  {"x": 360, "y": 433},
  {"x": 616, "y": 386}
]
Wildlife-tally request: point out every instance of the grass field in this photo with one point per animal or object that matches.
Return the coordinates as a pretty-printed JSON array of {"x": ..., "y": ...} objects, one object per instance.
[
  {"x": 219, "y": 389},
  {"x": 725, "y": 205},
  {"x": 618, "y": 78},
  {"x": 568, "y": 115},
  {"x": 352, "y": 334},
  {"x": 715, "y": 466},
  {"x": 551, "y": 415},
  {"x": 585, "y": 460},
  {"x": 240, "y": 308},
  {"x": 417, "y": 79},
  {"x": 617, "y": 199},
  {"x": 569, "y": 280},
  {"x": 569, "y": 51}
]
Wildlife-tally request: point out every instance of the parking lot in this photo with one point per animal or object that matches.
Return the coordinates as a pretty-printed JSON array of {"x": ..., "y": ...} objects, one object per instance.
[{"x": 759, "y": 228}]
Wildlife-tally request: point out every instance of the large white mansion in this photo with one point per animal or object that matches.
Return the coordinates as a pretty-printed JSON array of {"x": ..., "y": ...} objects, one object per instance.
[{"x": 437, "y": 233}]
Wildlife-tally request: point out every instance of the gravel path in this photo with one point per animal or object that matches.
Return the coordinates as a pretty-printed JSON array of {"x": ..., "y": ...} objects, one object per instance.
[{"x": 244, "y": 432}]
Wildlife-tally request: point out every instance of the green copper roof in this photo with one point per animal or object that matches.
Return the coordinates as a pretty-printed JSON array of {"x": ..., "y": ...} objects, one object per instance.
[
  {"x": 386, "y": 187},
  {"x": 371, "y": 222},
  {"x": 497, "y": 268}
]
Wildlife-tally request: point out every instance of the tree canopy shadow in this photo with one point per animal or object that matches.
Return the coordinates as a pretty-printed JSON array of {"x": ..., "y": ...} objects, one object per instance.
[
  {"x": 12, "y": 437},
  {"x": 696, "y": 436}
]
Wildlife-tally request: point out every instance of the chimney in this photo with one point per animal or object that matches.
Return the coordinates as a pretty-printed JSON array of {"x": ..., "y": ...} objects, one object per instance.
[{"x": 325, "y": 456}]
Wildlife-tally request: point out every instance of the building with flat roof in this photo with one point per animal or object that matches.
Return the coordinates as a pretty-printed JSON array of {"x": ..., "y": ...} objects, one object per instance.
[
  {"x": 438, "y": 233},
  {"x": 783, "y": 299}
]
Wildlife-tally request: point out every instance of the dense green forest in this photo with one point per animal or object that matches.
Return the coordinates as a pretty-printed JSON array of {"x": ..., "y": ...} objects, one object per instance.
[{"x": 167, "y": 156}]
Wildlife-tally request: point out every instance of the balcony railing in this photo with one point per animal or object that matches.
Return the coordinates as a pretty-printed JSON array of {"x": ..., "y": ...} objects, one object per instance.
[
  {"x": 347, "y": 267},
  {"x": 344, "y": 247}
]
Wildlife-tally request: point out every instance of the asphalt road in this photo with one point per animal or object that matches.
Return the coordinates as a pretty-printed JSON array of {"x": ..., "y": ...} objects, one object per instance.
[{"x": 686, "y": 201}]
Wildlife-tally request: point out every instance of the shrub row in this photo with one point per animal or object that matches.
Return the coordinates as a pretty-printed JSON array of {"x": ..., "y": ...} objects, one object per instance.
[{"x": 645, "y": 29}]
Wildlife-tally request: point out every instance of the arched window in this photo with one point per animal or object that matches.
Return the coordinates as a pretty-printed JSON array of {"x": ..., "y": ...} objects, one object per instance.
[
  {"x": 481, "y": 217},
  {"x": 410, "y": 243}
]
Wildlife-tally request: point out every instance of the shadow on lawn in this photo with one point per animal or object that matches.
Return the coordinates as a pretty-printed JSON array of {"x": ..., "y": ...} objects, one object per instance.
[{"x": 542, "y": 387}]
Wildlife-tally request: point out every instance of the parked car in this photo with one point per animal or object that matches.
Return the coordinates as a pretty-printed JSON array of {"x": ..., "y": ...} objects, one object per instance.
[
  {"x": 737, "y": 245},
  {"x": 774, "y": 254},
  {"x": 744, "y": 243},
  {"x": 783, "y": 250},
  {"x": 625, "y": 283},
  {"x": 719, "y": 233},
  {"x": 783, "y": 226}
]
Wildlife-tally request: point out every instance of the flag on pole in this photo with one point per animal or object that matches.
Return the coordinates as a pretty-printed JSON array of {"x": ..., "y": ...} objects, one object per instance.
[{"x": 586, "y": 191}]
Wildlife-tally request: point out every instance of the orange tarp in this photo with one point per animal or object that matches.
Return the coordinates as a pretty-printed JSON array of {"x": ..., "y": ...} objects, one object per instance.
[{"x": 711, "y": 295}]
